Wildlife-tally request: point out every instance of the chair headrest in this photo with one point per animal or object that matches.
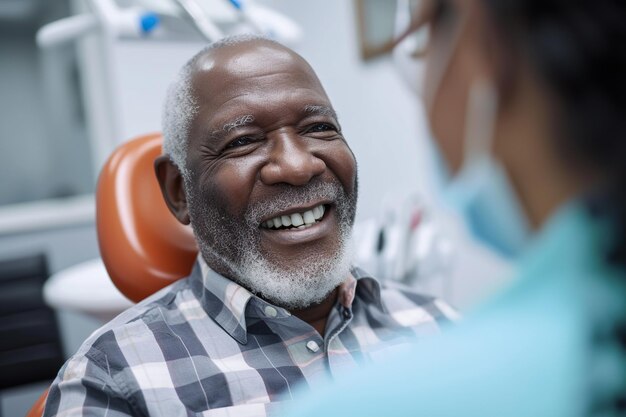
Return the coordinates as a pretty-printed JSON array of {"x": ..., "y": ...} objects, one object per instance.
[{"x": 143, "y": 246}]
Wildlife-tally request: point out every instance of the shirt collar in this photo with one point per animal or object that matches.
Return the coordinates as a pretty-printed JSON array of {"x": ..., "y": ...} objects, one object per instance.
[
  {"x": 368, "y": 288},
  {"x": 572, "y": 243},
  {"x": 224, "y": 300},
  {"x": 229, "y": 304}
]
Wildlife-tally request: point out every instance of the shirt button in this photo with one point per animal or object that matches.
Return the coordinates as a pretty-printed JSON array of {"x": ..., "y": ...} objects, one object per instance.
[
  {"x": 312, "y": 346},
  {"x": 270, "y": 311}
]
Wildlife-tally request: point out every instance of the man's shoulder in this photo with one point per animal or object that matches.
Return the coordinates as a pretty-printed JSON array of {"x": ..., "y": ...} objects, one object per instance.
[{"x": 137, "y": 325}]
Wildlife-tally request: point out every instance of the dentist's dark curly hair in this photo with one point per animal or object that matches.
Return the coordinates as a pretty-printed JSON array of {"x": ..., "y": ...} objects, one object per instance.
[{"x": 578, "y": 47}]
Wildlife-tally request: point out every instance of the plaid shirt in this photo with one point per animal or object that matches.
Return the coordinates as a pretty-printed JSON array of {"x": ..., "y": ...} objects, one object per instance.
[{"x": 205, "y": 346}]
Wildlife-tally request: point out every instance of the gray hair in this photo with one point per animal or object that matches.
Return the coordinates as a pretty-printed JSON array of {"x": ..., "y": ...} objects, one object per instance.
[{"x": 181, "y": 104}]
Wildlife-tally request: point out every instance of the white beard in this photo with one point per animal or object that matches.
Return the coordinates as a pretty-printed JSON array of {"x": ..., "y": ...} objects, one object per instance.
[
  {"x": 297, "y": 286},
  {"x": 309, "y": 282}
]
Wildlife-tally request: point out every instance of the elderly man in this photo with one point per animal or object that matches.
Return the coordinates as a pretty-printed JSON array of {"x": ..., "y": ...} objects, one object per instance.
[{"x": 254, "y": 159}]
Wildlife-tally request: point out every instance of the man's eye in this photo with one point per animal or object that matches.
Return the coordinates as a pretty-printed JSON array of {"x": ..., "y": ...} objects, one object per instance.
[
  {"x": 322, "y": 127},
  {"x": 242, "y": 141}
]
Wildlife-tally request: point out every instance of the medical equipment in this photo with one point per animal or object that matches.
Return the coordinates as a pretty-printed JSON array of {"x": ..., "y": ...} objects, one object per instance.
[
  {"x": 405, "y": 243},
  {"x": 144, "y": 18},
  {"x": 130, "y": 50}
]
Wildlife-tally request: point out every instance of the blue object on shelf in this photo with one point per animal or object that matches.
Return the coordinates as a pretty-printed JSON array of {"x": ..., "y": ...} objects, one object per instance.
[
  {"x": 149, "y": 21},
  {"x": 237, "y": 3}
]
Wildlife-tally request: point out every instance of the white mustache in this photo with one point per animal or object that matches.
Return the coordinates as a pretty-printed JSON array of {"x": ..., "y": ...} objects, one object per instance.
[{"x": 293, "y": 196}]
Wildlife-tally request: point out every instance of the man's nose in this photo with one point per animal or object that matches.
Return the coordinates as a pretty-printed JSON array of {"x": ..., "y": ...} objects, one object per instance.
[{"x": 291, "y": 161}]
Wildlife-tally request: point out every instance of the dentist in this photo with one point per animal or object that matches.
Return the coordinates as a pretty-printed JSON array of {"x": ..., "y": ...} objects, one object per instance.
[{"x": 527, "y": 104}]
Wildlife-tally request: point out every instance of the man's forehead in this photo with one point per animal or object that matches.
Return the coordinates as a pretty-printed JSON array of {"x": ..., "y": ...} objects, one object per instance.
[
  {"x": 248, "y": 59},
  {"x": 236, "y": 71}
]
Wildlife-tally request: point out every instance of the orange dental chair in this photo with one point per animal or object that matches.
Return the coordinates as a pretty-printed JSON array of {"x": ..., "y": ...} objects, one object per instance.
[{"x": 143, "y": 247}]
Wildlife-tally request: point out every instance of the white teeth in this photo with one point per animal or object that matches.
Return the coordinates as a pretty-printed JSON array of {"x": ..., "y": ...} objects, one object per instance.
[
  {"x": 296, "y": 219},
  {"x": 309, "y": 217}
]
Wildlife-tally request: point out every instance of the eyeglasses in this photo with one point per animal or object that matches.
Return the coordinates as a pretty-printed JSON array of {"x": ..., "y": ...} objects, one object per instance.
[{"x": 416, "y": 36}]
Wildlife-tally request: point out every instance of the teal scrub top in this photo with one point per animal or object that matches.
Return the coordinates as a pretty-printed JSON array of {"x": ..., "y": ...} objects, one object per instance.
[{"x": 546, "y": 347}]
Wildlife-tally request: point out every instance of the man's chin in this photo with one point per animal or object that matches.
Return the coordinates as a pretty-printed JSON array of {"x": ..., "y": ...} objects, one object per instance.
[
  {"x": 289, "y": 280},
  {"x": 294, "y": 304},
  {"x": 295, "y": 287}
]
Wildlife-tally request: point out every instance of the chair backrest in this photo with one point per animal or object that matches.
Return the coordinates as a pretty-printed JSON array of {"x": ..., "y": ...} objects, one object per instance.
[
  {"x": 143, "y": 247},
  {"x": 37, "y": 409}
]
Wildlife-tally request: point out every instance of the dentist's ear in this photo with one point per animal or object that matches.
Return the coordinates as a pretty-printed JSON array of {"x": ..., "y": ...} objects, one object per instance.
[{"x": 172, "y": 187}]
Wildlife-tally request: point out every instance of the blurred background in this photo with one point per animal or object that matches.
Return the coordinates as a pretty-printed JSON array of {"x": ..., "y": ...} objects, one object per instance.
[{"x": 79, "y": 77}]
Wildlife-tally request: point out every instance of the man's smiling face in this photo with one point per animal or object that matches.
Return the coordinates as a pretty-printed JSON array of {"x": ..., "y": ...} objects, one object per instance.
[{"x": 272, "y": 187}]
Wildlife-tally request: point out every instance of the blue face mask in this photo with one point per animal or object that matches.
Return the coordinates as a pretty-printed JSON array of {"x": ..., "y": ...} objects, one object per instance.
[
  {"x": 481, "y": 191},
  {"x": 484, "y": 197}
]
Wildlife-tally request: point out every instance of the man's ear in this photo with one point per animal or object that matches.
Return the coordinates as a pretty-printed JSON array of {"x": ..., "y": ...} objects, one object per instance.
[{"x": 172, "y": 187}]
